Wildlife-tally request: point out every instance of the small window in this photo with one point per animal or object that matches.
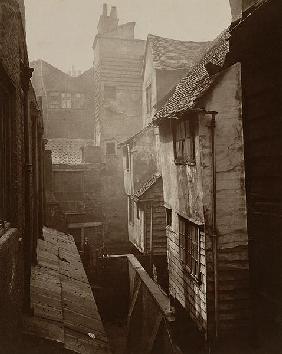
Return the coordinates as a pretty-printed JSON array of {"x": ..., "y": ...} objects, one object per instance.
[
  {"x": 110, "y": 92},
  {"x": 127, "y": 158},
  {"x": 78, "y": 100},
  {"x": 54, "y": 100},
  {"x": 189, "y": 245},
  {"x": 111, "y": 148},
  {"x": 138, "y": 211},
  {"x": 168, "y": 217},
  {"x": 184, "y": 141},
  {"x": 130, "y": 210},
  {"x": 66, "y": 100},
  {"x": 149, "y": 99}
]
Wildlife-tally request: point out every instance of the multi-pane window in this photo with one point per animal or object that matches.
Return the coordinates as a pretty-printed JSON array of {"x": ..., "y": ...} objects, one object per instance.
[
  {"x": 78, "y": 100},
  {"x": 66, "y": 100},
  {"x": 6, "y": 115},
  {"x": 110, "y": 92},
  {"x": 184, "y": 141},
  {"x": 168, "y": 217},
  {"x": 54, "y": 100},
  {"x": 111, "y": 148},
  {"x": 149, "y": 99},
  {"x": 189, "y": 245}
]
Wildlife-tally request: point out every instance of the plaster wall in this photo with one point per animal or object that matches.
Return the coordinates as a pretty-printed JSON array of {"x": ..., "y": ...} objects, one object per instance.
[{"x": 188, "y": 192}]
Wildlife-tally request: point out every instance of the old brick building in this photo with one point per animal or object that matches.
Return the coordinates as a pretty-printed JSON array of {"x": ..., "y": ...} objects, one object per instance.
[
  {"x": 74, "y": 181},
  {"x": 21, "y": 177},
  {"x": 118, "y": 60}
]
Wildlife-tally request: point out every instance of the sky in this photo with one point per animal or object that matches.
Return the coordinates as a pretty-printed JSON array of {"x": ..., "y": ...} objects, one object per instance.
[{"x": 62, "y": 32}]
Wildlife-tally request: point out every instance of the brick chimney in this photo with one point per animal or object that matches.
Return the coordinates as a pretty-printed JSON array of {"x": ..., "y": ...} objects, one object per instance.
[
  {"x": 236, "y": 9},
  {"x": 108, "y": 23}
]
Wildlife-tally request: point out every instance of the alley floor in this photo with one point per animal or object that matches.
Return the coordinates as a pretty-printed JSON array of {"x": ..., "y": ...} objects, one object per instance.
[{"x": 65, "y": 311}]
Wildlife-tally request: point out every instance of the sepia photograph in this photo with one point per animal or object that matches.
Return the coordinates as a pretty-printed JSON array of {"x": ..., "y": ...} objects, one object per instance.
[{"x": 140, "y": 177}]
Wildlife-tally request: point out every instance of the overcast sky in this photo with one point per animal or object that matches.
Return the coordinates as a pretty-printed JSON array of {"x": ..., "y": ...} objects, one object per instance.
[{"x": 62, "y": 31}]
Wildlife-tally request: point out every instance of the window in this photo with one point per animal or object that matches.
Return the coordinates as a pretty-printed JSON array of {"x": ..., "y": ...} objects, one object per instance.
[
  {"x": 110, "y": 92},
  {"x": 127, "y": 158},
  {"x": 111, "y": 148},
  {"x": 130, "y": 210},
  {"x": 189, "y": 245},
  {"x": 138, "y": 211},
  {"x": 184, "y": 141},
  {"x": 78, "y": 100},
  {"x": 168, "y": 217},
  {"x": 66, "y": 100},
  {"x": 149, "y": 99},
  {"x": 6, "y": 116},
  {"x": 54, "y": 100}
]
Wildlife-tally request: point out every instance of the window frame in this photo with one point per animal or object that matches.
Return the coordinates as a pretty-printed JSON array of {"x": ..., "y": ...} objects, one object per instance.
[
  {"x": 149, "y": 99},
  {"x": 114, "y": 149},
  {"x": 189, "y": 246},
  {"x": 168, "y": 217},
  {"x": 66, "y": 100},
  {"x": 51, "y": 101},
  {"x": 184, "y": 141}
]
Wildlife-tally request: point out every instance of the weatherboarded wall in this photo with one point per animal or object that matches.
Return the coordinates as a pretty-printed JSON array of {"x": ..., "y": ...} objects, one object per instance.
[
  {"x": 118, "y": 87},
  {"x": 188, "y": 192}
]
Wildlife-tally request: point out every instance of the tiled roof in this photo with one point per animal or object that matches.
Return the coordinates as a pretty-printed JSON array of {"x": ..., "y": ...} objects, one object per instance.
[
  {"x": 67, "y": 151},
  {"x": 171, "y": 54},
  {"x": 197, "y": 81},
  {"x": 147, "y": 185}
]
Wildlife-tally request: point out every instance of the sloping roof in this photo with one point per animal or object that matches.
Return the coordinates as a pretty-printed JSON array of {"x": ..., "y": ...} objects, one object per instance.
[
  {"x": 67, "y": 151},
  {"x": 147, "y": 185},
  {"x": 54, "y": 79},
  {"x": 197, "y": 81},
  {"x": 171, "y": 54}
]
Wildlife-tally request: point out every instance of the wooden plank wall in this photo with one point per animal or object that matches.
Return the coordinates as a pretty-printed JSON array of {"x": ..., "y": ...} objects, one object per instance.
[{"x": 263, "y": 136}]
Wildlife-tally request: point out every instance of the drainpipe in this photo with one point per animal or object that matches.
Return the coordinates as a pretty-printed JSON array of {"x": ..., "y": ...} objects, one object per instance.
[{"x": 214, "y": 235}]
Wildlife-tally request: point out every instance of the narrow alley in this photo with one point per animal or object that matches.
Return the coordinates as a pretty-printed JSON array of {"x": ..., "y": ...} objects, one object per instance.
[{"x": 140, "y": 177}]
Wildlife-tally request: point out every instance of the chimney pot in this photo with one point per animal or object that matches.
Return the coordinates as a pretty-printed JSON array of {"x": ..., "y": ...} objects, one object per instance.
[
  {"x": 105, "y": 10},
  {"x": 113, "y": 12}
]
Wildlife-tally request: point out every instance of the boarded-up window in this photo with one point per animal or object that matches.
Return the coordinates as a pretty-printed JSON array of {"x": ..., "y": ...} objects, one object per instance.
[
  {"x": 149, "y": 99},
  {"x": 110, "y": 92},
  {"x": 6, "y": 116},
  {"x": 189, "y": 245},
  {"x": 54, "y": 100},
  {"x": 184, "y": 141},
  {"x": 66, "y": 100}
]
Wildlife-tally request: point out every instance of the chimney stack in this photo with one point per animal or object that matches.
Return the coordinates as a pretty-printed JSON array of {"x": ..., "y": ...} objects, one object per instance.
[
  {"x": 236, "y": 9},
  {"x": 105, "y": 10},
  {"x": 113, "y": 12}
]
